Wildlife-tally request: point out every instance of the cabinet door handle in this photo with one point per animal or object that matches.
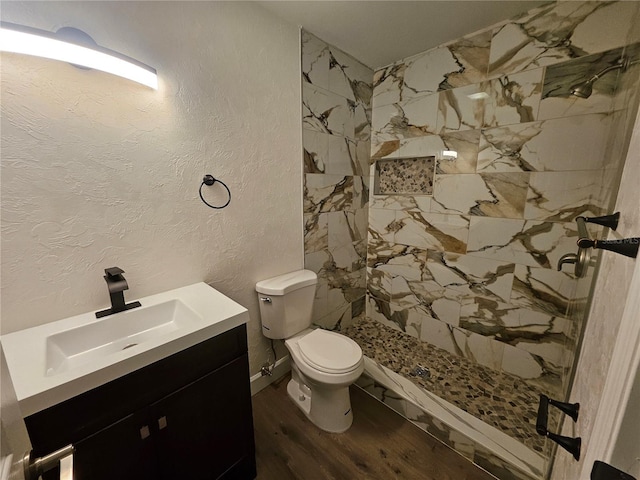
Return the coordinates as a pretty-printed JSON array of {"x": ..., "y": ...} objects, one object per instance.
[
  {"x": 162, "y": 423},
  {"x": 144, "y": 432}
]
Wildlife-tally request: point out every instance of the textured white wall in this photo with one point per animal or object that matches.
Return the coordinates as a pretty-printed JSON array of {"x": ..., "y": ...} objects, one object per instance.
[{"x": 98, "y": 171}]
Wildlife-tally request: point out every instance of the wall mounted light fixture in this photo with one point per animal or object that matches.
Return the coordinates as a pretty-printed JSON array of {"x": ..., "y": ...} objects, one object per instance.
[{"x": 76, "y": 47}]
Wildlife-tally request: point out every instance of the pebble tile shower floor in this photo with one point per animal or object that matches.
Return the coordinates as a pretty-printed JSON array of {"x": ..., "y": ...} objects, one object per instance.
[{"x": 503, "y": 401}]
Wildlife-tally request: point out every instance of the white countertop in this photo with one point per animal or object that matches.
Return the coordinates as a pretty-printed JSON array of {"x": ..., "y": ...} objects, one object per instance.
[{"x": 25, "y": 350}]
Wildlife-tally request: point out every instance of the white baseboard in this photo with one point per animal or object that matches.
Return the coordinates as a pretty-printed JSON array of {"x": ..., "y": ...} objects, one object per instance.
[{"x": 258, "y": 381}]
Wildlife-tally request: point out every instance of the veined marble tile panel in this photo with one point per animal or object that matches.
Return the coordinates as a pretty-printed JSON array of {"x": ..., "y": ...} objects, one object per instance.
[
  {"x": 326, "y": 112},
  {"x": 382, "y": 311},
  {"x": 455, "y": 65},
  {"x": 378, "y": 285},
  {"x": 332, "y": 154},
  {"x": 360, "y": 193},
  {"x": 514, "y": 98},
  {"x": 341, "y": 159},
  {"x": 465, "y": 143},
  {"x": 347, "y": 239},
  {"x": 436, "y": 231},
  {"x": 559, "y": 31},
  {"x": 328, "y": 193},
  {"x": 363, "y": 157},
  {"x": 562, "y": 196},
  {"x": 335, "y": 320},
  {"x": 350, "y": 78},
  {"x": 357, "y": 309},
  {"x": 331, "y": 69},
  {"x": 537, "y": 332},
  {"x": 543, "y": 289},
  {"x": 347, "y": 227},
  {"x": 520, "y": 363},
  {"x": 553, "y": 353},
  {"x": 413, "y": 118},
  {"x": 381, "y": 225},
  {"x": 458, "y": 111},
  {"x": 346, "y": 258},
  {"x": 493, "y": 195},
  {"x": 463, "y": 277},
  {"x": 532, "y": 367},
  {"x": 398, "y": 260},
  {"x": 506, "y": 100},
  {"x": 344, "y": 286},
  {"x": 419, "y": 305},
  {"x": 315, "y": 60},
  {"x": 536, "y": 244},
  {"x": 484, "y": 350},
  {"x": 400, "y": 202},
  {"x": 361, "y": 121},
  {"x": 316, "y": 151},
  {"x": 317, "y": 262},
  {"x": 571, "y": 143},
  {"x": 509, "y": 149},
  {"x": 443, "y": 335},
  {"x": 476, "y": 348},
  {"x": 316, "y": 232},
  {"x": 387, "y": 85}
]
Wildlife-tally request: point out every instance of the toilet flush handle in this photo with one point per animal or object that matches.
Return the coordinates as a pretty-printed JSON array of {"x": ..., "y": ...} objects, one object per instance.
[{"x": 266, "y": 299}]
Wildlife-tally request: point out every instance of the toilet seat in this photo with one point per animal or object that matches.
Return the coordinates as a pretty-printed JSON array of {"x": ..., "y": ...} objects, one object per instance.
[{"x": 330, "y": 352}]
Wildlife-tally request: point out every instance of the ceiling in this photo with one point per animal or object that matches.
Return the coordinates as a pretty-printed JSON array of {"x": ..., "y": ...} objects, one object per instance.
[{"x": 380, "y": 32}]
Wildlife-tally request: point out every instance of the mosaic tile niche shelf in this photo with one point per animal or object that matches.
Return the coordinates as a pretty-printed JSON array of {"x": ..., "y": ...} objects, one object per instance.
[{"x": 409, "y": 176}]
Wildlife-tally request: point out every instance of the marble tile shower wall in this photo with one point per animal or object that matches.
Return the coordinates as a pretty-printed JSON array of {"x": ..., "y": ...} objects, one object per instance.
[
  {"x": 472, "y": 269},
  {"x": 336, "y": 111}
]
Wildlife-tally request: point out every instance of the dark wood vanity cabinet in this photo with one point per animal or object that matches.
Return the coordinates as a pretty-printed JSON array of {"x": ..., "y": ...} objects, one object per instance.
[{"x": 187, "y": 416}]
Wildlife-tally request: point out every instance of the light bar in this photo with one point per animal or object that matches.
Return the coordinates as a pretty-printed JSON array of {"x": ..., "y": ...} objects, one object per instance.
[{"x": 40, "y": 43}]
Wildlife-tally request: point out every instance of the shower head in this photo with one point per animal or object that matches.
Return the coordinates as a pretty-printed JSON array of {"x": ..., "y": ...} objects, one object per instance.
[{"x": 584, "y": 89}]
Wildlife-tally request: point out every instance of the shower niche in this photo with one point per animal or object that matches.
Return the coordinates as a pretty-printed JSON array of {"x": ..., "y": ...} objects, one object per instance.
[{"x": 405, "y": 176}]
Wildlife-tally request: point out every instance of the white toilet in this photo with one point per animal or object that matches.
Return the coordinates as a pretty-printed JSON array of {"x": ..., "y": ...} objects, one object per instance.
[{"x": 323, "y": 363}]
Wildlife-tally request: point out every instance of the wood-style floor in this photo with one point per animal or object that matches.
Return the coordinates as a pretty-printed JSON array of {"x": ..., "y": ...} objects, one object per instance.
[{"x": 379, "y": 445}]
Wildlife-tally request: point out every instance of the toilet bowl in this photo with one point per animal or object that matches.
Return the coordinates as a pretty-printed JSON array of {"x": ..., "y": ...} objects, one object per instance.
[
  {"x": 323, "y": 363},
  {"x": 323, "y": 366}
]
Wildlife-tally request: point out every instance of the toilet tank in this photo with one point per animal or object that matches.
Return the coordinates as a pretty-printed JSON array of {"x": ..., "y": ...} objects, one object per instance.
[{"x": 286, "y": 303}]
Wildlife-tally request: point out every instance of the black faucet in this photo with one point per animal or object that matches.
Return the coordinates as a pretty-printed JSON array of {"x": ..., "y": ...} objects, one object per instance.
[{"x": 117, "y": 285}]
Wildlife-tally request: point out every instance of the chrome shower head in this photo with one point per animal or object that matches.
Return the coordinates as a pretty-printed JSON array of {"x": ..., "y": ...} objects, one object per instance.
[
  {"x": 582, "y": 90},
  {"x": 585, "y": 89}
]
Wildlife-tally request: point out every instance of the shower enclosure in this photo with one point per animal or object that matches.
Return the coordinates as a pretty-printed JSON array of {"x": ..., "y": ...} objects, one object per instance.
[{"x": 440, "y": 193}]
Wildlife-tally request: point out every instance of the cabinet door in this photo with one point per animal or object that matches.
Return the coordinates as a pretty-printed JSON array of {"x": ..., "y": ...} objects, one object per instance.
[
  {"x": 123, "y": 451},
  {"x": 206, "y": 428}
]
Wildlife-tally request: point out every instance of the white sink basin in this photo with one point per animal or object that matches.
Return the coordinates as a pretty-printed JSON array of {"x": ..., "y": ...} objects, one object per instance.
[
  {"x": 59, "y": 360},
  {"x": 112, "y": 334}
]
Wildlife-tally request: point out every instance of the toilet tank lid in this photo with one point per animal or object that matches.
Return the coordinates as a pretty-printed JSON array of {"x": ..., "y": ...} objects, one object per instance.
[{"x": 287, "y": 283}]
